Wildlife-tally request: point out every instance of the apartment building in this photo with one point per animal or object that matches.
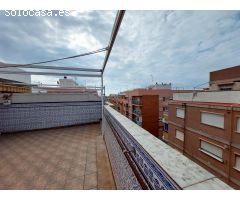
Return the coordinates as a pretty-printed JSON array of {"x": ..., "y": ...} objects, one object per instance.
[
  {"x": 23, "y": 78},
  {"x": 67, "y": 83},
  {"x": 144, "y": 112},
  {"x": 71, "y": 90},
  {"x": 205, "y": 126},
  {"x": 164, "y": 121},
  {"x": 141, "y": 109},
  {"x": 154, "y": 104},
  {"x": 18, "y": 83},
  {"x": 10, "y": 86},
  {"x": 225, "y": 79}
]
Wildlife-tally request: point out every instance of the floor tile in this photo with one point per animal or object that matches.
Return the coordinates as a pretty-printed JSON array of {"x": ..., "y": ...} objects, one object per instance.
[
  {"x": 61, "y": 158},
  {"x": 90, "y": 181}
]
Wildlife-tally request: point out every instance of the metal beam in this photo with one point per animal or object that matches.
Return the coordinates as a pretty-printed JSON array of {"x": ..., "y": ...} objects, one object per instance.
[
  {"x": 115, "y": 29},
  {"x": 102, "y": 93},
  {"x": 5, "y": 65},
  {"x": 65, "y": 58},
  {"x": 49, "y": 73},
  {"x": 102, "y": 99},
  {"x": 54, "y": 85}
]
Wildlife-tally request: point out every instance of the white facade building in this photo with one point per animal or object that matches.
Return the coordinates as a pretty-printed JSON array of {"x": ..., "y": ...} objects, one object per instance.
[
  {"x": 213, "y": 96},
  {"x": 67, "y": 83},
  {"x": 15, "y": 77}
]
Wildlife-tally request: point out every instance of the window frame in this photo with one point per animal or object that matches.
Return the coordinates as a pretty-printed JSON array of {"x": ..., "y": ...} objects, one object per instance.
[
  {"x": 214, "y": 113},
  {"x": 236, "y": 125},
  {"x": 209, "y": 153},
  {"x": 180, "y": 132},
  {"x": 235, "y": 159},
  {"x": 183, "y": 112}
]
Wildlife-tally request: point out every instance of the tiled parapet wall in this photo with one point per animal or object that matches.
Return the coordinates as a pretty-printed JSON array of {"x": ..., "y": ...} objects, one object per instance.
[
  {"x": 120, "y": 166},
  {"x": 30, "y": 116},
  {"x": 161, "y": 166}
]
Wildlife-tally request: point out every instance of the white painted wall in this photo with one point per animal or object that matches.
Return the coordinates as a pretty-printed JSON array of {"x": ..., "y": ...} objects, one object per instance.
[
  {"x": 213, "y": 96},
  {"x": 67, "y": 83},
  {"x": 16, "y": 77}
]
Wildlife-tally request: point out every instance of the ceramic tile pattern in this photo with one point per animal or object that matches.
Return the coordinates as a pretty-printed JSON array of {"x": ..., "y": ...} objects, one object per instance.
[
  {"x": 61, "y": 158},
  {"x": 124, "y": 176},
  {"x": 164, "y": 167},
  {"x": 32, "y": 116}
]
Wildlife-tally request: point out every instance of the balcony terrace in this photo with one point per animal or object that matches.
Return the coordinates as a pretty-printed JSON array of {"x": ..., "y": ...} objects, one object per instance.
[
  {"x": 55, "y": 141},
  {"x": 58, "y": 158}
]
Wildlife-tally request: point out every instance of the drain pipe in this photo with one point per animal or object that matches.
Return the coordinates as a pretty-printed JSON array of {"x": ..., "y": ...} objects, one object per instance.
[
  {"x": 102, "y": 99},
  {"x": 184, "y": 127},
  {"x": 230, "y": 145}
]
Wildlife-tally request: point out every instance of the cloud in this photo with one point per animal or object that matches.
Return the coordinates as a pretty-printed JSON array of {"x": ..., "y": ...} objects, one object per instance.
[
  {"x": 180, "y": 47},
  {"x": 44, "y": 79},
  {"x": 32, "y": 39}
]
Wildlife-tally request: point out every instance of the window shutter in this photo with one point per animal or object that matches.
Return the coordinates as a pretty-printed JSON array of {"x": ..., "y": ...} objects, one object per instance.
[
  {"x": 212, "y": 119},
  {"x": 180, "y": 113},
  {"x": 237, "y": 163},
  {"x": 179, "y": 135},
  {"x": 212, "y": 149},
  {"x": 238, "y": 124}
]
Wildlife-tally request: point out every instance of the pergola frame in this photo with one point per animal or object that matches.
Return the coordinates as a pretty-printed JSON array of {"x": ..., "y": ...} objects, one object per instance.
[{"x": 98, "y": 73}]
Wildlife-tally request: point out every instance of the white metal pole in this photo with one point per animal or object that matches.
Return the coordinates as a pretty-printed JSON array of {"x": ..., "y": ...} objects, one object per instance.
[
  {"x": 102, "y": 100},
  {"x": 102, "y": 93}
]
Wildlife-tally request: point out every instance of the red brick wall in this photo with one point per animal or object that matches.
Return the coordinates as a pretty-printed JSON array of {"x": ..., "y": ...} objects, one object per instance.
[
  {"x": 234, "y": 174},
  {"x": 193, "y": 120},
  {"x": 150, "y": 113},
  {"x": 195, "y": 131},
  {"x": 228, "y": 73}
]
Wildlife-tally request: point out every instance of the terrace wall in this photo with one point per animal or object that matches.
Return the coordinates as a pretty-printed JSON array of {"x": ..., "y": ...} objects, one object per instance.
[
  {"x": 141, "y": 161},
  {"x": 30, "y": 116}
]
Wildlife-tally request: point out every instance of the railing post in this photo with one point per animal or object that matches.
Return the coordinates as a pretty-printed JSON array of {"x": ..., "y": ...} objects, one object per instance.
[{"x": 102, "y": 98}]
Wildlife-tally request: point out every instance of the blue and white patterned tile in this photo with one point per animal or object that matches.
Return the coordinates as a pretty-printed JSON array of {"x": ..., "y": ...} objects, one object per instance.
[
  {"x": 123, "y": 174},
  {"x": 163, "y": 166},
  {"x": 157, "y": 178},
  {"x": 21, "y": 117}
]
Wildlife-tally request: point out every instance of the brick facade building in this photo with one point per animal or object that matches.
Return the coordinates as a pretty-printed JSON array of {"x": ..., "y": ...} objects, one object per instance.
[
  {"x": 205, "y": 126},
  {"x": 154, "y": 104}
]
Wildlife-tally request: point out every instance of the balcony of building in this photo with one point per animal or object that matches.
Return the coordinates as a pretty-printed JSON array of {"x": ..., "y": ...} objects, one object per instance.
[
  {"x": 58, "y": 158},
  {"x": 53, "y": 141}
]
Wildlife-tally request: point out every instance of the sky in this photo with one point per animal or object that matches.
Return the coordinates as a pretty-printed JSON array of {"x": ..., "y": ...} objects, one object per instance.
[{"x": 180, "y": 47}]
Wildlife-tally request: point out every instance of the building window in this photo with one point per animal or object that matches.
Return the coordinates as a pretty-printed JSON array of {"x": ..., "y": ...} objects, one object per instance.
[
  {"x": 226, "y": 87},
  {"x": 212, "y": 119},
  {"x": 237, "y": 162},
  {"x": 165, "y": 109},
  {"x": 180, "y": 113},
  {"x": 165, "y": 127},
  {"x": 238, "y": 124},
  {"x": 179, "y": 135},
  {"x": 211, "y": 150}
]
